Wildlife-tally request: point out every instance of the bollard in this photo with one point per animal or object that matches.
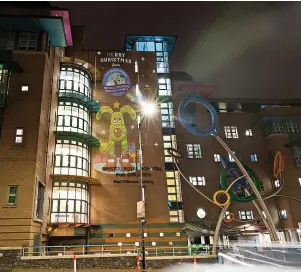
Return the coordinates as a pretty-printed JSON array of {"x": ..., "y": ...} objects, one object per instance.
[{"x": 74, "y": 262}]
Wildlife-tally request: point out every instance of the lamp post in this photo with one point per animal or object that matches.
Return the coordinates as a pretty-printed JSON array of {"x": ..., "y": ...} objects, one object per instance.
[
  {"x": 148, "y": 109},
  {"x": 142, "y": 193}
]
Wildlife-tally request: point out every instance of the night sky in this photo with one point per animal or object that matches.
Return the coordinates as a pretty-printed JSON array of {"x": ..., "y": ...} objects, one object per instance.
[{"x": 245, "y": 49}]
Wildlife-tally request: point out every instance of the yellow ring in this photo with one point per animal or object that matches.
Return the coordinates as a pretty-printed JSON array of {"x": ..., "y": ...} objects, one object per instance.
[{"x": 216, "y": 194}]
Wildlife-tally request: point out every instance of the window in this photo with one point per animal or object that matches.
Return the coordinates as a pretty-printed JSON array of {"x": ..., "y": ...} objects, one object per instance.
[
  {"x": 249, "y": 132},
  {"x": 297, "y": 155},
  {"x": 253, "y": 158},
  {"x": 28, "y": 40},
  {"x": 197, "y": 181},
  {"x": 73, "y": 117},
  {"x": 231, "y": 132},
  {"x": 4, "y": 76},
  {"x": 12, "y": 196},
  {"x": 277, "y": 183},
  {"x": 71, "y": 158},
  {"x": 70, "y": 202},
  {"x": 283, "y": 214},
  {"x": 162, "y": 62},
  {"x": 217, "y": 157},
  {"x": 299, "y": 181},
  {"x": 245, "y": 215},
  {"x": 167, "y": 115},
  {"x": 176, "y": 216},
  {"x": 128, "y": 235},
  {"x": 24, "y": 88},
  {"x": 169, "y": 141},
  {"x": 193, "y": 151},
  {"x": 136, "y": 66},
  {"x": 280, "y": 127},
  {"x": 75, "y": 81},
  {"x": 164, "y": 86},
  {"x": 39, "y": 200},
  {"x": 19, "y": 135},
  {"x": 292, "y": 127},
  {"x": 173, "y": 186},
  {"x": 7, "y": 40}
]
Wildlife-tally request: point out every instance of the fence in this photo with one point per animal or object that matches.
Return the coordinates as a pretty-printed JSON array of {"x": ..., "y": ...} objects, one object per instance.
[{"x": 125, "y": 249}]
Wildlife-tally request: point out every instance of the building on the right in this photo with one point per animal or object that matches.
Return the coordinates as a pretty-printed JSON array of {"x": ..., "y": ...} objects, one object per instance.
[{"x": 255, "y": 132}]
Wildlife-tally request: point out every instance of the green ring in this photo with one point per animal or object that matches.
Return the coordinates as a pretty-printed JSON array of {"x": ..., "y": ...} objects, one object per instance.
[{"x": 254, "y": 177}]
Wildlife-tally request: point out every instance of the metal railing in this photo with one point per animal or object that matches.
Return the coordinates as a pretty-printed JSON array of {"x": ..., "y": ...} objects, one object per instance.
[{"x": 125, "y": 249}]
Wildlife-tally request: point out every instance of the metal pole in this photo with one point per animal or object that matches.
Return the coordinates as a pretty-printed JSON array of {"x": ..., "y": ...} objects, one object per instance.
[
  {"x": 142, "y": 194},
  {"x": 143, "y": 246},
  {"x": 262, "y": 205}
]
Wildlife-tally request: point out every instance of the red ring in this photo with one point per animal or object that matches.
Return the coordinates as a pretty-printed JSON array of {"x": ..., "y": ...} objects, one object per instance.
[
  {"x": 230, "y": 219},
  {"x": 174, "y": 153}
]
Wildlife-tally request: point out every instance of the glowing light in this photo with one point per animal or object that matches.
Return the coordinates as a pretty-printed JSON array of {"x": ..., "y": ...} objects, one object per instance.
[
  {"x": 201, "y": 213},
  {"x": 148, "y": 108}
]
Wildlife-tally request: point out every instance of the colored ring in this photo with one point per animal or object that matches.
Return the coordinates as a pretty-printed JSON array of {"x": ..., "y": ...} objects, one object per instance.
[
  {"x": 216, "y": 194},
  {"x": 212, "y": 130},
  {"x": 231, "y": 218},
  {"x": 278, "y": 165},
  {"x": 174, "y": 153},
  {"x": 234, "y": 198}
]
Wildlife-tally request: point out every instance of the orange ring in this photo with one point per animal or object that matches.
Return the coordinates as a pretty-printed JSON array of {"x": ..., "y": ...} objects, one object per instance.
[
  {"x": 231, "y": 218},
  {"x": 278, "y": 164}
]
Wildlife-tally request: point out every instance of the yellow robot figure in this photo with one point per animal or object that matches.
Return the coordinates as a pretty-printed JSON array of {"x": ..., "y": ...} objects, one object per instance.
[{"x": 118, "y": 133}]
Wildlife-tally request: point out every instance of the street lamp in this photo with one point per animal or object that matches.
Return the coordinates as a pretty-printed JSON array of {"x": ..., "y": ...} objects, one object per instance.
[{"x": 147, "y": 110}]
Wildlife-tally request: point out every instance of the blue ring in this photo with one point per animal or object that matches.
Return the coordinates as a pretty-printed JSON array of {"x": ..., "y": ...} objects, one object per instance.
[{"x": 212, "y": 130}]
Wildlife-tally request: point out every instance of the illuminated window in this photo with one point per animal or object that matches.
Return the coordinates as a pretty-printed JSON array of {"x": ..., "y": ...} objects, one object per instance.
[
  {"x": 299, "y": 180},
  {"x": 217, "y": 157},
  {"x": 73, "y": 117},
  {"x": 24, "y": 88},
  {"x": 136, "y": 66},
  {"x": 75, "y": 81},
  {"x": 164, "y": 86},
  {"x": 167, "y": 115},
  {"x": 231, "y": 132},
  {"x": 71, "y": 158},
  {"x": 245, "y": 215},
  {"x": 12, "y": 196},
  {"x": 253, "y": 158},
  {"x": 169, "y": 141},
  {"x": 283, "y": 214},
  {"x": 162, "y": 63},
  {"x": 70, "y": 202},
  {"x": 197, "y": 181},
  {"x": 154, "y": 244},
  {"x": 249, "y": 132},
  {"x": 128, "y": 235},
  {"x": 19, "y": 135},
  {"x": 7, "y": 40},
  {"x": 292, "y": 127},
  {"x": 193, "y": 151},
  {"x": 28, "y": 40},
  {"x": 277, "y": 183}
]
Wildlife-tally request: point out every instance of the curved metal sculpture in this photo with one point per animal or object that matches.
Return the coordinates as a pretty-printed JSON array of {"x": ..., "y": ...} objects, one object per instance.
[{"x": 212, "y": 130}]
